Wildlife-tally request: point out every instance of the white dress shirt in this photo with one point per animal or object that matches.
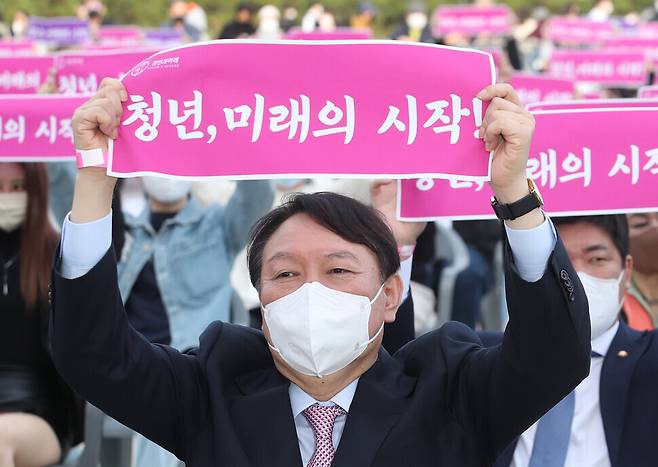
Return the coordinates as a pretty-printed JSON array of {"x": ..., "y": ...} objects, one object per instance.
[
  {"x": 587, "y": 445},
  {"x": 83, "y": 245}
]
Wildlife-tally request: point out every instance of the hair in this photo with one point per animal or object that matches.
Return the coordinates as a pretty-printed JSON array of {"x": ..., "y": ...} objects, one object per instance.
[
  {"x": 615, "y": 225},
  {"x": 349, "y": 219},
  {"x": 38, "y": 238}
]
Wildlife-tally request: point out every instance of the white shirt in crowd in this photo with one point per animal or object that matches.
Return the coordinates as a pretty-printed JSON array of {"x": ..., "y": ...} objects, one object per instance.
[
  {"x": 83, "y": 245},
  {"x": 587, "y": 445}
]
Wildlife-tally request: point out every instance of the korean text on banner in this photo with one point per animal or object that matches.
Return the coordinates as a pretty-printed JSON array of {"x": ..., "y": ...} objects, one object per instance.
[
  {"x": 592, "y": 104},
  {"x": 246, "y": 109},
  {"x": 648, "y": 92},
  {"x": 59, "y": 31},
  {"x": 607, "y": 68},
  {"x": 534, "y": 88},
  {"x": 470, "y": 20},
  {"x": 23, "y": 74},
  {"x": 37, "y": 127},
  {"x": 606, "y": 163}
]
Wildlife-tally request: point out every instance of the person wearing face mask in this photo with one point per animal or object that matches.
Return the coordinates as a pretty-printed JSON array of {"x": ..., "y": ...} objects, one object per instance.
[
  {"x": 641, "y": 305},
  {"x": 314, "y": 387},
  {"x": 40, "y": 418},
  {"x": 20, "y": 24},
  {"x": 415, "y": 27},
  {"x": 610, "y": 418}
]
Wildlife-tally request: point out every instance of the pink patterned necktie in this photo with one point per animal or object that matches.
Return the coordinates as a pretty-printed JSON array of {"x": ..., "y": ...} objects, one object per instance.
[{"x": 322, "y": 419}]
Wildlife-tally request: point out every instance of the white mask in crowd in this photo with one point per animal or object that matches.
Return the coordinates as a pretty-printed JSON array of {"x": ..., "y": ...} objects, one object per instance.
[
  {"x": 18, "y": 28},
  {"x": 417, "y": 21},
  {"x": 318, "y": 330},
  {"x": 166, "y": 190},
  {"x": 604, "y": 303},
  {"x": 13, "y": 209}
]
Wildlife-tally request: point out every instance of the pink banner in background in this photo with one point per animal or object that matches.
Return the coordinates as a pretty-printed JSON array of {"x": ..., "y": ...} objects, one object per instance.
[
  {"x": 37, "y": 127},
  {"x": 606, "y": 162},
  {"x": 120, "y": 36},
  {"x": 82, "y": 72},
  {"x": 535, "y": 88},
  {"x": 246, "y": 109},
  {"x": 593, "y": 104},
  {"x": 648, "y": 92},
  {"x": 23, "y": 75},
  {"x": 470, "y": 20},
  {"x": 608, "y": 68},
  {"x": 340, "y": 34},
  {"x": 578, "y": 30},
  {"x": 9, "y": 48},
  {"x": 635, "y": 44}
]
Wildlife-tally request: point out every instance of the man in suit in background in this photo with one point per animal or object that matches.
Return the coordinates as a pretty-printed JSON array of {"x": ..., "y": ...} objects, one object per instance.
[
  {"x": 315, "y": 388},
  {"x": 610, "y": 418}
]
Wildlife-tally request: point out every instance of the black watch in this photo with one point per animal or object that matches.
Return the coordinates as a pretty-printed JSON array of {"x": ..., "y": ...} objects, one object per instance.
[{"x": 530, "y": 202}]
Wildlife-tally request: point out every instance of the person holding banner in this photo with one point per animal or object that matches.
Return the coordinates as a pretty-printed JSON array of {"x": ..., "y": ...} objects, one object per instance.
[
  {"x": 609, "y": 419},
  {"x": 314, "y": 387},
  {"x": 40, "y": 417}
]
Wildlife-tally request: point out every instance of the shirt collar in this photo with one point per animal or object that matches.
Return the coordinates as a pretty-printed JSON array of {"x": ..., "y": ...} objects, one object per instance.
[
  {"x": 602, "y": 343},
  {"x": 300, "y": 401}
]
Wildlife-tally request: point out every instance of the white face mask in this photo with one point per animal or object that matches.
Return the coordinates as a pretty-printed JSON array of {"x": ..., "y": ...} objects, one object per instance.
[
  {"x": 318, "y": 330},
  {"x": 166, "y": 190},
  {"x": 13, "y": 209},
  {"x": 417, "y": 21},
  {"x": 604, "y": 303}
]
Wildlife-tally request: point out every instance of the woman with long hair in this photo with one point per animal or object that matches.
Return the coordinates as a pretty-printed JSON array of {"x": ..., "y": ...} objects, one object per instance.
[{"x": 39, "y": 415}]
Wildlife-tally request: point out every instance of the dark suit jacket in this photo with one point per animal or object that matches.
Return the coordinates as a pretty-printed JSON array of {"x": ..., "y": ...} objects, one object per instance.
[
  {"x": 442, "y": 400},
  {"x": 628, "y": 398}
]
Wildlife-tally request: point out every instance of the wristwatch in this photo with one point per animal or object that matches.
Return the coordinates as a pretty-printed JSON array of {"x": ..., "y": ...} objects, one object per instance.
[{"x": 509, "y": 212}]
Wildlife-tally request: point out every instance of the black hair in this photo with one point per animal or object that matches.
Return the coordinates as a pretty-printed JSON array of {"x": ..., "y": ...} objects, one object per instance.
[
  {"x": 615, "y": 225},
  {"x": 344, "y": 216}
]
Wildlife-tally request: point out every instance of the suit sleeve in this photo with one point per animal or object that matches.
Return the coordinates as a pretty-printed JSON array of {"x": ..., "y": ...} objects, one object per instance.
[
  {"x": 153, "y": 389},
  {"x": 497, "y": 393}
]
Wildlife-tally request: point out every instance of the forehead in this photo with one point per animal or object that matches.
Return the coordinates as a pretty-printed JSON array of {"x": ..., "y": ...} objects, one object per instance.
[
  {"x": 11, "y": 171},
  {"x": 582, "y": 237},
  {"x": 300, "y": 235}
]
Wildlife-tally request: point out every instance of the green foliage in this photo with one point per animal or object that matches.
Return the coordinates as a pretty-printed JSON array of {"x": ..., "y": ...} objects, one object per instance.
[{"x": 154, "y": 12}]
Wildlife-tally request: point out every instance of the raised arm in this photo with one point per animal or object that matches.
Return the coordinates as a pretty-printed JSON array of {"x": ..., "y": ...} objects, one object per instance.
[
  {"x": 152, "y": 389},
  {"x": 497, "y": 393}
]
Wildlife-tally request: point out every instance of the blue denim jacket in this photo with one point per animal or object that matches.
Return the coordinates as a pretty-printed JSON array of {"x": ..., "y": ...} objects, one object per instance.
[{"x": 193, "y": 253}]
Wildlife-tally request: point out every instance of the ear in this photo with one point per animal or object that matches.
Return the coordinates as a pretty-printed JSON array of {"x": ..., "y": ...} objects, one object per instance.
[
  {"x": 628, "y": 273},
  {"x": 393, "y": 294}
]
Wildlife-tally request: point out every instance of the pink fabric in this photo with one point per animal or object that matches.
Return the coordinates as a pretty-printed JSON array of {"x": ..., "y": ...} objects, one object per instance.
[{"x": 322, "y": 419}]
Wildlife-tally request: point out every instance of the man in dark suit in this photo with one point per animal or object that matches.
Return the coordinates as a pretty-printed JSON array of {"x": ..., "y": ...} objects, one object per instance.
[
  {"x": 610, "y": 418},
  {"x": 315, "y": 388}
]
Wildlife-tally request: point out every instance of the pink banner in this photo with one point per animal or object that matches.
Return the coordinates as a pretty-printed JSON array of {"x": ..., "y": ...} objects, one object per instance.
[
  {"x": 11, "y": 48},
  {"x": 23, "y": 75},
  {"x": 470, "y": 20},
  {"x": 263, "y": 110},
  {"x": 37, "y": 128},
  {"x": 608, "y": 68},
  {"x": 648, "y": 46},
  {"x": 648, "y": 92},
  {"x": 593, "y": 104},
  {"x": 536, "y": 88},
  {"x": 606, "y": 162},
  {"x": 82, "y": 72},
  {"x": 340, "y": 34},
  {"x": 120, "y": 36},
  {"x": 578, "y": 30}
]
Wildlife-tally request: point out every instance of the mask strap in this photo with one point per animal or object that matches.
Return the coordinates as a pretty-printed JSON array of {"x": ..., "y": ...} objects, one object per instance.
[{"x": 378, "y": 293}]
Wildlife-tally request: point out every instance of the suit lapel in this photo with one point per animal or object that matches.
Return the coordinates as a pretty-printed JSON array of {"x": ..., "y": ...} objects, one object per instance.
[
  {"x": 263, "y": 416},
  {"x": 618, "y": 367},
  {"x": 380, "y": 399}
]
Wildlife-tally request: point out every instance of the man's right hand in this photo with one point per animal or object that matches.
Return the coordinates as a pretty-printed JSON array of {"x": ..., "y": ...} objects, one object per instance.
[{"x": 93, "y": 123}]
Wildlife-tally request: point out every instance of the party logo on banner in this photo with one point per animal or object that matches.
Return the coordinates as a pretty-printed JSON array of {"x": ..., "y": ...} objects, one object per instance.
[
  {"x": 606, "y": 163},
  {"x": 247, "y": 109}
]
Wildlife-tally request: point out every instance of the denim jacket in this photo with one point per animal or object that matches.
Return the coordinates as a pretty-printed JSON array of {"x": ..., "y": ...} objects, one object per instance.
[{"x": 193, "y": 253}]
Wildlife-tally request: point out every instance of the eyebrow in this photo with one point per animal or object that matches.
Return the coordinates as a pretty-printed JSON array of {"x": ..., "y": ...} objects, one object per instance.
[
  {"x": 278, "y": 256},
  {"x": 593, "y": 248},
  {"x": 342, "y": 254}
]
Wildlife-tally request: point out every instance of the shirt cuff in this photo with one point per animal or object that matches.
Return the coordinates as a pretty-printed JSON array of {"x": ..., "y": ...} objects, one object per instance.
[
  {"x": 83, "y": 245},
  {"x": 405, "y": 274},
  {"x": 532, "y": 248}
]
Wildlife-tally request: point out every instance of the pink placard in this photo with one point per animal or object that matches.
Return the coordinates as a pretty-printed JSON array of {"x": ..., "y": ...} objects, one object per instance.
[
  {"x": 635, "y": 44},
  {"x": 11, "y": 48},
  {"x": 607, "y": 68},
  {"x": 607, "y": 162},
  {"x": 471, "y": 20},
  {"x": 536, "y": 88},
  {"x": 592, "y": 104},
  {"x": 23, "y": 74},
  {"x": 340, "y": 34},
  {"x": 247, "y": 109},
  {"x": 578, "y": 30},
  {"x": 648, "y": 92},
  {"x": 82, "y": 72},
  {"x": 37, "y": 127},
  {"x": 120, "y": 35}
]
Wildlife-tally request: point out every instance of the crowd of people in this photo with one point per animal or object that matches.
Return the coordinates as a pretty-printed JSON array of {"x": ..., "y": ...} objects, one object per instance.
[{"x": 296, "y": 322}]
